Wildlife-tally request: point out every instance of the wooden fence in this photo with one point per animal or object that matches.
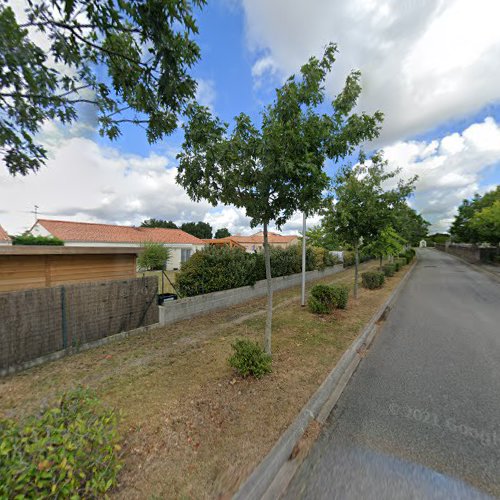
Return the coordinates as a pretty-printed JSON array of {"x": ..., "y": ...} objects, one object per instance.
[{"x": 35, "y": 323}]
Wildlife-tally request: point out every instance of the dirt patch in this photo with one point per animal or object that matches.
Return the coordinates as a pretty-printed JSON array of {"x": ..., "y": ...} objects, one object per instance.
[{"x": 191, "y": 428}]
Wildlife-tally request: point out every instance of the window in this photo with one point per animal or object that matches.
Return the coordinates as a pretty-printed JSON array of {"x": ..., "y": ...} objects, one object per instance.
[{"x": 185, "y": 254}]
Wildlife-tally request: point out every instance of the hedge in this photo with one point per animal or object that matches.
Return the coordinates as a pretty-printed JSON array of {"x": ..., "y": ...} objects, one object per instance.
[
  {"x": 29, "y": 239},
  {"x": 372, "y": 279},
  {"x": 222, "y": 268},
  {"x": 389, "y": 269}
]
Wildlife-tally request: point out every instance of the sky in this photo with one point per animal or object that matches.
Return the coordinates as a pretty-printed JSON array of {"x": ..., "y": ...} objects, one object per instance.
[{"x": 430, "y": 66}]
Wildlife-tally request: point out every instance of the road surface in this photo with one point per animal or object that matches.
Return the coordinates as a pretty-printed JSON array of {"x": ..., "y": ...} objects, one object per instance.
[{"x": 421, "y": 416}]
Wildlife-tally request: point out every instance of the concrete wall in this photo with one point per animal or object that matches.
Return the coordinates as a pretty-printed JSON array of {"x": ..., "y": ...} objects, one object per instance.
[
  {"x": 470, "y": 252},
  {"x": 188, "y": 307}
]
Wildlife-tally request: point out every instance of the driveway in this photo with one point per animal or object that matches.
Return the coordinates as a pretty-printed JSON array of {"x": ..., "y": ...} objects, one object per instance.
[{"x": 421, "y": 416}]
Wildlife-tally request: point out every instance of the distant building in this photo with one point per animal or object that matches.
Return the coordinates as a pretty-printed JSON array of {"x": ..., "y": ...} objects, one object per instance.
[
  {"x": 255, "y": 242},
  {"x": 422, "y": 244},
  {"x": 4, "y": 237},
  {"x": 85, "y": 234}
]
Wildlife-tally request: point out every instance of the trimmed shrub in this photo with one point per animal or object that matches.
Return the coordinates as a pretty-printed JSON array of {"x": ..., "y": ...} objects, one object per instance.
[
  {"x": 331, "y": 260},
  {"x": 216, "y": 268},
  {"x": 397, "y": 265},
  {"x": 340, "y": 295},
  {"x": 349, "y": 259},
  {"x": 319, "y": 257},
  {"x": 389, "y": 269},
  {"x": 321, "y": 299},
  {"x": 250, "y": 359},
  {"x": 154, "y": 257},
  {"x": 372, "y": 279},
  {"x": 29, "y": 239},
  {"x": 68, "y": 451},
  {"x": 402, "y": 261}
]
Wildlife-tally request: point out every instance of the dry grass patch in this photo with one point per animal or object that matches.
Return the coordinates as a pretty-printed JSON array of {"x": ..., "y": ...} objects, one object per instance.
[{"x": 192, "y": 429}]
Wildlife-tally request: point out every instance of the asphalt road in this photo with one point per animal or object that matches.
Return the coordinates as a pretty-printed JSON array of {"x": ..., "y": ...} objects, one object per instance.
[{"x": 421, "y": 416}]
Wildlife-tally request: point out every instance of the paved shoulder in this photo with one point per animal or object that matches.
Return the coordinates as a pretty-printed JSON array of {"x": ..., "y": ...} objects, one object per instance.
[{"x": 420, "y": 418}]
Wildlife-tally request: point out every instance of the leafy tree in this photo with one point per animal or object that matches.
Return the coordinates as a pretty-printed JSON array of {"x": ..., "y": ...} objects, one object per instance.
[
  {"x": 387, "y": 243},
  {"x": 274, "y": 168},
  {"x": 223, "y": 232},
  {"x": 440, "y": 238},
  {"x": 462, "y": 229},
  {"x": 154, "y": 257},
  {"x": 127, "y": 60},
  {"x": 318, "y": 236},
  {"x": 486, "y": 223},
  {"x": 167, "y": 224},
  {"x": 30, "y": 239},
  {"x": 362, "y": 208},
  {"x": 409, "y": 224},
  {"x": 201, "y": 230}
]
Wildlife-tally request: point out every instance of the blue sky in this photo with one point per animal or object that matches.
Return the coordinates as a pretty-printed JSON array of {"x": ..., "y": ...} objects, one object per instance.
[{"x": 430, "y": 66}]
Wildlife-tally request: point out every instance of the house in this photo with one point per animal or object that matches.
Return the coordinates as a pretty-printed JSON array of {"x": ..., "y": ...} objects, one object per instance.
[
  {"x": 85, "y": 234},
  {"x": 25, "y": 267},
  {"x": 255, "y": 242},
  {"x": 4, "y": 237}
]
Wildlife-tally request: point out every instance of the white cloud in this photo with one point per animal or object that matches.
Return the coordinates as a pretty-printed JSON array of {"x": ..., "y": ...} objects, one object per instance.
[
  {"x": 205, "y": 93},
  {"x": 265, "y": 67},
  {"x": 88, "y": 182},
  {"x": 449, "y": 169},
  {"x": 423, "y": 63}
]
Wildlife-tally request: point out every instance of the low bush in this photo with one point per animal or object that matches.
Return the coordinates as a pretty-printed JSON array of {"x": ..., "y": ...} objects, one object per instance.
[
  {"x": 216, "y": 268},
  {"x": 402, "y": 261},
  {"x": 29, "y": 239},
  {"x": 349, "y": 259},
  {"x": 68, "y": 451},
  {"x": 397, "y": 265},
  {"x": 340, "y": 295},
  {"x": 389, "y": 269},
  {"x": 321, "y": 299},
  {"x": 372, "y": 279},
  {"x": 249, "y": 359}
]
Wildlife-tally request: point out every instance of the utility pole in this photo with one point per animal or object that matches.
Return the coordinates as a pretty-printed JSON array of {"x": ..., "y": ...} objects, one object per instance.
[
  {"x": 35, "y": 212},
  {"x": 303, "y": 259}
]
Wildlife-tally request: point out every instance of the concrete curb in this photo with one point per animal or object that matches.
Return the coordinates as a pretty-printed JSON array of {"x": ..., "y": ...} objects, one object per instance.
[{"x": 271, "y": 476}]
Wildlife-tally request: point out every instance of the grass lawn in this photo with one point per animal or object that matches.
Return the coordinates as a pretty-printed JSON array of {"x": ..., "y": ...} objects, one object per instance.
[{"x": 190, "y": 427}]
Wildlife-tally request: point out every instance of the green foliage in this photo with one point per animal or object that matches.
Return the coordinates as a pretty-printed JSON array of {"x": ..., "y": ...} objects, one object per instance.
[
  {"x": 216, "y": 268},
  {"x": 349, "y": 259},
  {"x": 464, "y": 229},
  {"x": 166, "y": 224},
  {"x": 372, "y": 279},
  {"x": 143, "y": 51},
  {"x": 409, "y": 225},
  {"x": 389, "y": 269},
  {"x": 202, "y": 230},
  {"x": 387, "y": 243},
  {"x": 317, "y": 236},
  {"x": 486, "y": 224},
  {"x": 153, "y": 257},
  {"x": 223, "y": 232},
  {"x": 320, "y": 257},
  {"x": 397, "y": 265},
  {"x": 340, "y": 295},
  {"x": 250, "y": 359},
  {"x": 68, "y": 451},
  {"x": 29, "y": 239},
  {"x": 440, "y": 238},
  {"x": 324, "y": 298}
]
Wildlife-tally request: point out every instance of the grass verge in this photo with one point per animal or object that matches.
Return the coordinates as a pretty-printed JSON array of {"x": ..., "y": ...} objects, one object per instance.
[{"x": 190, "y": 427}]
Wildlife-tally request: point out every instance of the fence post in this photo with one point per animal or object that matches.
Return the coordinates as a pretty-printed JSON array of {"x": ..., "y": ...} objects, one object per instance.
[{"x": 64, "y": 323}]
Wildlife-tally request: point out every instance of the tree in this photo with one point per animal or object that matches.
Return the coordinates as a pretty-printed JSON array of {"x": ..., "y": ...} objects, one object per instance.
[
  {"x": 410, "y": 225},
  {"x": 154, "y": 257},
  {"x": 362, "y": 208},
  {"x": 318, "y": 236},
  {"x": 127, "y": 60},
  {"x": 387, "y": 243},
  {"x": 275, "y": 168},
  {"x": 167, "y": 224},
  {"x": 486, "y": 223},
  {"x": 462, "y": 229},
  {"x": 223, "y": 232},
  {"x": 201, "y": 230}
]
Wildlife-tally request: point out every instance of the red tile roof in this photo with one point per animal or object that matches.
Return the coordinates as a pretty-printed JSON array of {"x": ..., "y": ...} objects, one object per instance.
[
  {"x": 259, "y": 238},
  {"x": 108, "y": 233},
  {"x": 3, "y": 235}
]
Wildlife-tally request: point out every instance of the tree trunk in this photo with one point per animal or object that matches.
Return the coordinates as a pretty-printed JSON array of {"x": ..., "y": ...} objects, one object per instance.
[
  {"x": 356, "y": 265},
  {"x": 269, "y": 318}
]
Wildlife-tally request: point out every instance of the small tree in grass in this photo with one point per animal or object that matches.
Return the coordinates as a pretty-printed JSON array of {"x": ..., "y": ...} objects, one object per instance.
[
  {"x": 361, "y": 208},
  {"x": 154, "y": 257},
  {"x": 274, "y": 169},
  {"x": 387, "y": 243}
]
